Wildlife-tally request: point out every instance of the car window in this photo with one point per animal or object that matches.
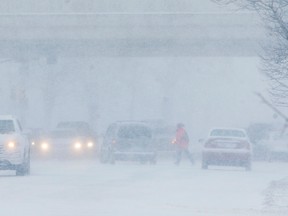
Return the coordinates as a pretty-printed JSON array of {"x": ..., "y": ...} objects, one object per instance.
[
  {"x": 19, "y": 125},
  {"x": 6, "y": 126},
  {"x": 64, "y": 134},
  {"x": 111, "y": 131},
  {"x": 134, "y": 131},
  {"x": 75, "y": 125},
  {"x": 229, "y": 133}
]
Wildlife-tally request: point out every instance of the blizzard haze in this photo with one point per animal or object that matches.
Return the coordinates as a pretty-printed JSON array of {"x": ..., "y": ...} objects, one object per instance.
[
  {"x": 137, "y": 70},
  {"x": 102, "y": 61},
  {"x": 202, "y": 92}
]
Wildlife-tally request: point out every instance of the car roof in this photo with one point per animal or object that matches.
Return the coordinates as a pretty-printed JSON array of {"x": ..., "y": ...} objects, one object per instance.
[
  {"x": 131, "y": 122},
  {"x": 63, "y": 129},
  {"x": 127, "y": 123},
  {"x": 7, "y": 117},
  {"x": 72, "y": 123},
  {"x": 228, "y": 128}
]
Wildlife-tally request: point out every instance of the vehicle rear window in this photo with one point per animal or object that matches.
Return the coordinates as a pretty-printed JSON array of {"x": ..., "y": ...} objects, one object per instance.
[
  {"x": 111, "y": 130},
  {"x": 6, "y": 126},
  {"x": 134, "y": 131},
  {"x": 230, "y": 133}
]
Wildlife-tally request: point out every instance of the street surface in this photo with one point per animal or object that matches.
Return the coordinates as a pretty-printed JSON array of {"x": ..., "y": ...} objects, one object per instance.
[{"x": 86, "y": 188}]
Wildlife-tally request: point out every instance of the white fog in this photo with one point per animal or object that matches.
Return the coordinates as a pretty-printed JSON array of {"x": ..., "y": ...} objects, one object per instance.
[
  {"x": 115, "y": 98},
  {"x": 199, "y": 91}
]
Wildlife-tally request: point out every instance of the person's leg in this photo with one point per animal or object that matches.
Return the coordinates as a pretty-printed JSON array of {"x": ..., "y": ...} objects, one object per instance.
[
  {"x": 189, "y": 155},
  {"x": 178, "y": 155}
]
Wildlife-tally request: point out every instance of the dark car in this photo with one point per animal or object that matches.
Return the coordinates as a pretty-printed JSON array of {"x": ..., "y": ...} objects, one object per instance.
[
  {"x": 163, "y": 134},
  {"x": 129, "y": 140}
]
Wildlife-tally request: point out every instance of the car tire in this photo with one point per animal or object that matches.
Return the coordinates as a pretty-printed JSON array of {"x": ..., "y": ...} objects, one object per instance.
[
  {"x": 204, "y": 164},
  {"x": 112, "y": 159},
  {"x": 24, "y": 168},
  {"x": 27, "y": 166},
  {"x": 143, "y": 161},
  {"x": 153, "y": 160},
  {"x": 20, "y": 170},
  {"x": 107, "y": 156},
  {"x": 103, "y": 157},
  {"x": 248, "y": 166}
]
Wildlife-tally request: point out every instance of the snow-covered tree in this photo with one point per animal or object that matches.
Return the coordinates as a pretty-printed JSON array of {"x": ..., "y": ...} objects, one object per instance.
[{"x": 274, "y": 14}]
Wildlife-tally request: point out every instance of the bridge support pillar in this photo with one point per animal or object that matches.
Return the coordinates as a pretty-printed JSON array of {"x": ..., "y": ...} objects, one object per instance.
[
  {"x": 20, "y": 91},
  {"x": 50, "y": 87}
]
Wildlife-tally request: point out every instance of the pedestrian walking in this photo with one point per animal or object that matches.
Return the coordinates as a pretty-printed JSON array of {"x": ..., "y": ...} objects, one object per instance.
[{"x": 182, "y": 144}]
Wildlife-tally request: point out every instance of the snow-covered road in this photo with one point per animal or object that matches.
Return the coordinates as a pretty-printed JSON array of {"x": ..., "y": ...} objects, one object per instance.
[{"x": 88, "y": 188}]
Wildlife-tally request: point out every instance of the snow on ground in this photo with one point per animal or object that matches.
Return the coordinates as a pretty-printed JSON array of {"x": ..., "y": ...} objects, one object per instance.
[{"x": 86, "y": 187}]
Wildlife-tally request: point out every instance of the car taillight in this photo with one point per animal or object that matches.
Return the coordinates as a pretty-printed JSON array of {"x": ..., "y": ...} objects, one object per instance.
[{"x": 114, "y": 142}]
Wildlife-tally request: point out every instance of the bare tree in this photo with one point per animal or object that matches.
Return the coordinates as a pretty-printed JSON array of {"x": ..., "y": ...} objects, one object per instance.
[{"x": 274, "y": 14}]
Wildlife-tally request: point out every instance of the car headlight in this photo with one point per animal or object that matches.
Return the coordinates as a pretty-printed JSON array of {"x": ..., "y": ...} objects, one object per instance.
[
  {"x": 44, "y": 146},
  {"x": 90, "y": 144},
  {"x": 77, "y": 145},
  {"x": 11, "y": 145}
]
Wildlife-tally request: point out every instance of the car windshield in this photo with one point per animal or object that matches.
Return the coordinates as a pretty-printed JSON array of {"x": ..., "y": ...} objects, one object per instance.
[
  {"x": 76, "y": 125},
  {"x": 64, "y": 134},
  {"x": 134, "y": 131},
  {"x": 6, "y": 126},
  {"x": 227, "y": 133}
]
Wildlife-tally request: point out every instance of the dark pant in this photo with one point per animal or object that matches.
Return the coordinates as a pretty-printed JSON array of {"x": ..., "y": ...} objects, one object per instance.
[{"x": 180, "y": 151}]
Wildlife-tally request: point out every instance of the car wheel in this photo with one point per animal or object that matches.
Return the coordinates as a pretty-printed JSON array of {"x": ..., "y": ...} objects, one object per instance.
[
  {"x": 153, "y": 160},
  {"x": 27, "y": 166},
  {"x": 204, "y": 164},
  {"x": 111, "y": 157},
  {"x": 143, "y": 161},
  {"x": 248, "y": 166},
  {"x": 24, "y": 168},
  {"x": 103, "y": 156},
  {"x": 20, "y": 170}
]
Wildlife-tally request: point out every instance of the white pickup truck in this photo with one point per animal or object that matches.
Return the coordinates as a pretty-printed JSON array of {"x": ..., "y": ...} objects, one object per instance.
[{"x": 14, "y": 146}]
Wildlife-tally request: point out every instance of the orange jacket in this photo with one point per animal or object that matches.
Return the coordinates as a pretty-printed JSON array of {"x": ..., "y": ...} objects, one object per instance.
[{"x": 182, "y": 139}]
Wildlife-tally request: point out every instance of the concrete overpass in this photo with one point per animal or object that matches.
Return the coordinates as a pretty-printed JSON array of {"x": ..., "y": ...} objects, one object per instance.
[
  {"x": 129, "y": 34},
  {"x": 28, "y": 37}
]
